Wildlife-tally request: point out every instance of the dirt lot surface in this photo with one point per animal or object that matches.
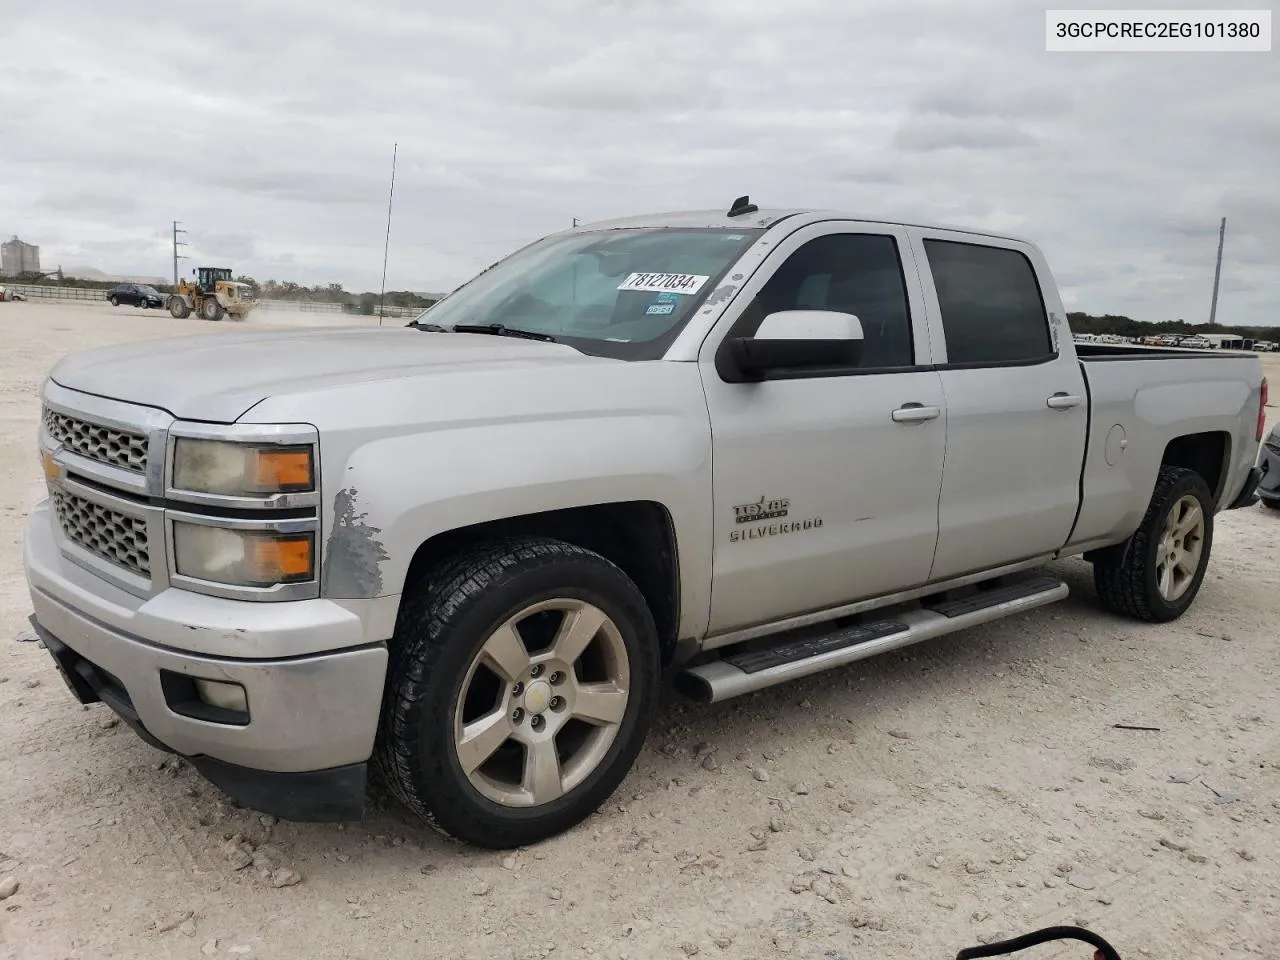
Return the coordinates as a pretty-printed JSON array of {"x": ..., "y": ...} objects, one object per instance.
[{"x": 901, "y": 808}]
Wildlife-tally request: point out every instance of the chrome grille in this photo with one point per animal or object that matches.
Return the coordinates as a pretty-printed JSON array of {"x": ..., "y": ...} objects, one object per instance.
[
  {"x": 118, "y": 448},
  {"x": 115, "y": 537}
]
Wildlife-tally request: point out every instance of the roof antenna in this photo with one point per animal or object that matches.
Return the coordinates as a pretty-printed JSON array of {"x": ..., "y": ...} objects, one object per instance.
[{"x": 742, "y": 206}]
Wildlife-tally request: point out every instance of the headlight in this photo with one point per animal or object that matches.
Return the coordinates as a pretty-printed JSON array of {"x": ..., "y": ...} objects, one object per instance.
[
  {"x": 241, "y": 469},
  {"x": 242, "y": 558}
]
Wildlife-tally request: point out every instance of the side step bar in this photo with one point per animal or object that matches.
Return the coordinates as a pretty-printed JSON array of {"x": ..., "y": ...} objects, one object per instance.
[{"x": 748, "y": 671}]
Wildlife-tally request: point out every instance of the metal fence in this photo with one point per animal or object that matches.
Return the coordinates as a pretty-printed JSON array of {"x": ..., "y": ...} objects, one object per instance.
[
  {"x": 38, "y": 291},
  {"x": 33, "y": 291},
  {"x": 314, "y": 306}
]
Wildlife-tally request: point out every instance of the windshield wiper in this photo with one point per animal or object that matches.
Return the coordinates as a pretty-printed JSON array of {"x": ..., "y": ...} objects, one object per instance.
[
  {"x": 498, "y": 330},
  {"x": 430, "y": 327}
]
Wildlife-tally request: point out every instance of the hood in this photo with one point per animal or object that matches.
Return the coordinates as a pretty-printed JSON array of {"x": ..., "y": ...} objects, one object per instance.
[{"x": 219, "y": 377}]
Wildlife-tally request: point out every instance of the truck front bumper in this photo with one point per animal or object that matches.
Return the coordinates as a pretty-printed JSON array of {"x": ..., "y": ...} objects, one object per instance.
[{"x": 300, "y": 747}]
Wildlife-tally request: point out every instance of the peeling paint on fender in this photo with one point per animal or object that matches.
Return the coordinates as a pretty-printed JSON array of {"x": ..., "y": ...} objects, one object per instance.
[{"x": 353, "y": 553}]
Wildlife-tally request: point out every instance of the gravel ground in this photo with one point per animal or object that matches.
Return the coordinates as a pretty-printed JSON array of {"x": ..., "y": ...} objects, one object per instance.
[{"x": 904, "y": 807}]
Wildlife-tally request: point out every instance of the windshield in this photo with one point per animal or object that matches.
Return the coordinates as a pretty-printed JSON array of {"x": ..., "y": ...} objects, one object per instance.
[{"x": 619, "y": 293}]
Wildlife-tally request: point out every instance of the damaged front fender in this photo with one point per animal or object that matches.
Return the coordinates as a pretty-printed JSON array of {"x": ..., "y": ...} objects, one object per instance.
[{"x": 354, "y": 552}]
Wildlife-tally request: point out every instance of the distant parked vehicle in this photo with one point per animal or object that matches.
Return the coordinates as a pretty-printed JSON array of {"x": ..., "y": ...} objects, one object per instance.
[
  {"x": 1196, "y": 343},
  {"x": 135, "y": 295},
  {"x": 6, "y": 294},
  {"x": 1269, "y": 470}
]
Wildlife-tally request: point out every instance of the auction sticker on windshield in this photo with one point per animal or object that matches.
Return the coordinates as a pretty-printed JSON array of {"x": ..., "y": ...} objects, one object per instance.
[{"x": 686, "y": 283}]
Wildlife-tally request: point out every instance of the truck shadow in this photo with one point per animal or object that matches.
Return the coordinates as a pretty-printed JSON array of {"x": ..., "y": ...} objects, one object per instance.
[
  {"x": 719, "y": 748},
  {"x": 839, "y": 705}
]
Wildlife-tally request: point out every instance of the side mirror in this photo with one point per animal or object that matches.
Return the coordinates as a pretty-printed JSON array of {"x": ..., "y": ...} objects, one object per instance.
[{"x": 799, "y": 339}]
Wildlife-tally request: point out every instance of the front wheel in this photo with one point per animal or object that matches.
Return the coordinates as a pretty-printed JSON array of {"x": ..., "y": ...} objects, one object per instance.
[
  {"x": 521, "y": 686},
  {"x": 1156, "y": 574},
  {"x": 1269, "y": 503},
  {"x": 210, "y": 309},
  {"x": 178, "y": 308}
]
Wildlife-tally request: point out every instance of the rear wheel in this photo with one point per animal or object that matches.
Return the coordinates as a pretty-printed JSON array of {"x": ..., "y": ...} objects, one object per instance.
[
  {"x": 521, "y": 686},
  {"x": 1269, "y": 503},
  {"x": 210, "y": 309},
  {"x": 1156, "y": 574},
  {"x": 115, "y": 301}
]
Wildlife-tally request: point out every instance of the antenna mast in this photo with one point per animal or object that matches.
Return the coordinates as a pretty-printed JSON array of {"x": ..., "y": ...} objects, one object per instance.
[{"x": 386, "y": 248}]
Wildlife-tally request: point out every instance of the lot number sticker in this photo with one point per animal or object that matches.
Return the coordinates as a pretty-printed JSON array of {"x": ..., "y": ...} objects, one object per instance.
[{"x": 686, "y": 283}]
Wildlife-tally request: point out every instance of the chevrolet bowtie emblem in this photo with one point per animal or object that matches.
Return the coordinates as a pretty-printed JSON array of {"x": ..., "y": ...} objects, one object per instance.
[{"x": 51, "y": 470}]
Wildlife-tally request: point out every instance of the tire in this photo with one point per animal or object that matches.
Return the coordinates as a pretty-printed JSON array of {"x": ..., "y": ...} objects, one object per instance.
[
  {"x": 1127, "y": 576},
  {"x": 115, "y": 302},
  {"x": 178, "y": 308},
  {"x": 210, "y": 309},
  {"x": 445, "y": 623},
  {"x": 1269, "y": 503}
]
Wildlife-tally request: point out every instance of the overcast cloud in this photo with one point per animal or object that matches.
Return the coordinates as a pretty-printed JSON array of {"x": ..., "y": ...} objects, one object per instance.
[{"x": 266, "y": 127}]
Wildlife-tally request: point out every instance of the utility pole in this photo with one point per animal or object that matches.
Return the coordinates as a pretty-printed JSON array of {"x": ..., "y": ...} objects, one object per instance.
[
  {"x": 1217, "y": 272},
  {"x": 575, "y": 221},
  {"x": 177, "y": 256}
]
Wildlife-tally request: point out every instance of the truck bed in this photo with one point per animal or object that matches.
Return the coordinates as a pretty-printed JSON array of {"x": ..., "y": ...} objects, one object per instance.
[{"x": 1137, "y": 411}]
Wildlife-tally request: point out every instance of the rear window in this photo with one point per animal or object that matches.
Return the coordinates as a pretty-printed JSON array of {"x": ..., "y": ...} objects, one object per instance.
[{"x": 992, "y": 310}]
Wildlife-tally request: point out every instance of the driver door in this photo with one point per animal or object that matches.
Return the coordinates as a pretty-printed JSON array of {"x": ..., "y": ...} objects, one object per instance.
[{"x": 824, "y": 491}]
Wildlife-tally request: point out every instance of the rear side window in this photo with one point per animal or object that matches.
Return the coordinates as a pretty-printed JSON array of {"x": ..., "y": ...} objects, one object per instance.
[{"x": 992, "y": 311}]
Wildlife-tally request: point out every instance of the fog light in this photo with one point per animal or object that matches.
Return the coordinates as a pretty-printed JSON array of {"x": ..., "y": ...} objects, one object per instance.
[{"x": 227, "y": 696}]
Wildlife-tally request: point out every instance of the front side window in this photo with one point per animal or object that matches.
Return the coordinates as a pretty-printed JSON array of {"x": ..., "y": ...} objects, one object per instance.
[
  {"x": 623, "y": 293},
  {"x": 992, "y": 311},
  {"x": 853, "y": 273}
]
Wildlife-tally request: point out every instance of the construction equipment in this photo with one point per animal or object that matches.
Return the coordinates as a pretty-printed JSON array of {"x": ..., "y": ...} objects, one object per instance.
[{"x": 211, "y": 296}]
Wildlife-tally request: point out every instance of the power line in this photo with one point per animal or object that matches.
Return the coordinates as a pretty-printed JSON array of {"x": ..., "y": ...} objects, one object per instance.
[{"x": 386, "y": 248}]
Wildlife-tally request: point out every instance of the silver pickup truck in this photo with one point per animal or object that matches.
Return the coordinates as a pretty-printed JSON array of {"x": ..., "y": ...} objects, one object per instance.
[{"x": 744, "y": 446}]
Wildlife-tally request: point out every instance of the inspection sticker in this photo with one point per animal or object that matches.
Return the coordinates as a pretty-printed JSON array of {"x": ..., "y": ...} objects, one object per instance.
[
  {"x": 660, "y": 309},
  {"x": 686, "y": 283}
]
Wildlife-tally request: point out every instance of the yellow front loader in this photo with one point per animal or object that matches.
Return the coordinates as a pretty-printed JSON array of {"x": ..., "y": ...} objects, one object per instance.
[{"x": 212, "y": 295}]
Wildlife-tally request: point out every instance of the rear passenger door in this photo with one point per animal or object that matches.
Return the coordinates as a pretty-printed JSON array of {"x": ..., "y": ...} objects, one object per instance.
[{"x": 1017, "y": 413}]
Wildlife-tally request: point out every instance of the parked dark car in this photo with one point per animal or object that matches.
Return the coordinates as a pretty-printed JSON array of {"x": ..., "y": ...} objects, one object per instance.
[{"x": 135, "y": 295}]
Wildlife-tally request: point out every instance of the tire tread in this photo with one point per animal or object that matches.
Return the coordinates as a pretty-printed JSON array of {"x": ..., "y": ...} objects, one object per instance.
[
  {"x": 423, "y": 632},
  {"x": 1120, "y": 572}
]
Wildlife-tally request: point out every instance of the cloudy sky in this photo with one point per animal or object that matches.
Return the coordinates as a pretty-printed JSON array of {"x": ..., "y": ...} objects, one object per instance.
[{"x": 266, "y": 127}]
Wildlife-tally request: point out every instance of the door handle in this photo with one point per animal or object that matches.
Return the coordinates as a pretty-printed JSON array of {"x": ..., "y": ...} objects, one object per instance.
[
  {"x": 915, "y": 413},
  {"x": 1063, "y": 401}
]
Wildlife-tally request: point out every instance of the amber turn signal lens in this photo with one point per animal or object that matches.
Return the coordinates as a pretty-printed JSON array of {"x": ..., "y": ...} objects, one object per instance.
[
  {"x": 280, "y": 561},
  {"x": 285, "y": 469}
]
